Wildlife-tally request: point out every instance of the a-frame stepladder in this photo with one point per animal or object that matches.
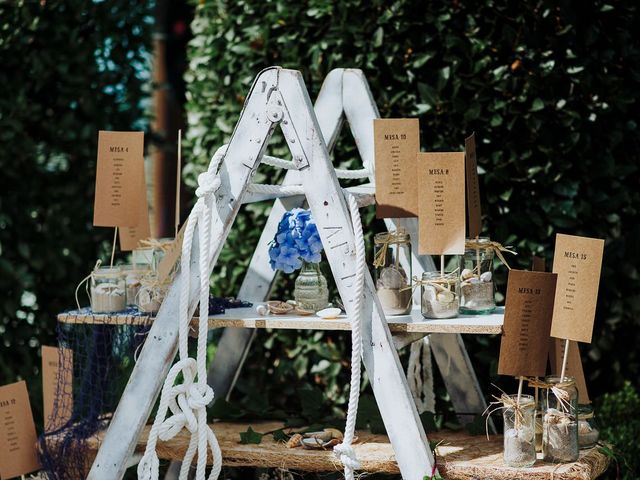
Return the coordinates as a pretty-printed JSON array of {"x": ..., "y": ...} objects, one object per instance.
[
  {"x": 345, "y": 96},
  {"x": 278, "y": 97}
]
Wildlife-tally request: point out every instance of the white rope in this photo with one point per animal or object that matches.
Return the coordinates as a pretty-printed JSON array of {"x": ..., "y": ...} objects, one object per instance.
[
  {"x": 420, "y": 376},
  {"x": 344, "y": 451},
  {"x": 188, "y": 401},
  {"x": 340, "y": 172}
]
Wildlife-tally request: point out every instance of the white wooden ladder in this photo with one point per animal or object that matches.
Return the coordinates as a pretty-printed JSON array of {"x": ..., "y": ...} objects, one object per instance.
[{"x": 278, "y": 97}]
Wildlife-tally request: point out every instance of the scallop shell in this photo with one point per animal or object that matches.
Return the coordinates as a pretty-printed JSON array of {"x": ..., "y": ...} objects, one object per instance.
[
  {"x": 329, "y": 313},
  {"x": 279, "y": 308}
]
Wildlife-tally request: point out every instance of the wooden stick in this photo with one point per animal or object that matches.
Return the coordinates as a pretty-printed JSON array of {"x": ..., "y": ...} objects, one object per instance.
[
  {"x": 520, "y": 383},
  {"x": 565, "y": 357},
  {"x": 178, "y": 175},
  {"x": 478, "y": 256},
  {"x": 442, "y": 266},
  {"x": 113, "y": 247}
]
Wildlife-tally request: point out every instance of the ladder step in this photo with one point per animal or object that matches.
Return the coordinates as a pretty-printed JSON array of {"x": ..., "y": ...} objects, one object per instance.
[
  {"x": 248, "y": 318},
  {"x": 459, "y": 456},
  {"x": 365, "y": 194}
]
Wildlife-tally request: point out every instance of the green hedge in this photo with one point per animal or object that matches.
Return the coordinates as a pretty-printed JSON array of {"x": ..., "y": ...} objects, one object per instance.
[
  {"x": 67, "y": 70},
  {"x": 550, "y": 90}
]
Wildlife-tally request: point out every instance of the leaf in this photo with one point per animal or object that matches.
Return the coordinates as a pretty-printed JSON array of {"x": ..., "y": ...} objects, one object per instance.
[
  {"x": 280, "y": 436},
  {"x": 251, "y": 437},
  {"x": 537, "y": 105}
]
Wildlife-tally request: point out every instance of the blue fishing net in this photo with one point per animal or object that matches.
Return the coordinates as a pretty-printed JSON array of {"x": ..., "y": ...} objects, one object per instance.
[{"x": 96, "y": 360}]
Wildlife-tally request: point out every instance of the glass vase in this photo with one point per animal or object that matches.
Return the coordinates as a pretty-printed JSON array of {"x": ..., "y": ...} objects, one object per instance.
[{"x": 311, "y": 292}]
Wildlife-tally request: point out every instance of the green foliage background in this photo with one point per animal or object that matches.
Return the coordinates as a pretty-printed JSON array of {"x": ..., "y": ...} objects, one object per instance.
[
  {"x": 550, "y": 88},
  {"x": 68, "y": 69}
]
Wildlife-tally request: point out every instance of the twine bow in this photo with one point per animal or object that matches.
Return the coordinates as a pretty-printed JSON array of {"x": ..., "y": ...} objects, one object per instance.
[
  {"x": 385, "y": 239},
  {"x": 505, "y": 402},
  {"x": 558, "y": 390},
  {"x": 498, "y": 248},
  {"x": 155, "y": 244}
]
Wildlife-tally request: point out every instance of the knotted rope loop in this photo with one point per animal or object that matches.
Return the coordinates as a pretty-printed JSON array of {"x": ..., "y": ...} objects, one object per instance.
[
  {"x": 188, "y": 401},
  {"x": 347, "y": 456},
  {"x": 486, "y": 244}
]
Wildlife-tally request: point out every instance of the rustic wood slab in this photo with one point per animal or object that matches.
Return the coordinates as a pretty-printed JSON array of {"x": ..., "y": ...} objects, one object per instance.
[
  {"x": 248, "y": 318},
  {"x": 459, "y": 456}
]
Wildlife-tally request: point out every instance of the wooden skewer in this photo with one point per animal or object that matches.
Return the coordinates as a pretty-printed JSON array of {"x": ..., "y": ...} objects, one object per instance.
[
  {"x": 565, "y": 357},
  {"x": 442, "y": 266},
  {"x": 113, "y": 247}
]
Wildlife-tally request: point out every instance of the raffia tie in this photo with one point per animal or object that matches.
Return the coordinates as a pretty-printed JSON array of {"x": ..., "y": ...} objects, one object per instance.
[
  {"x": 155, "y": 244},
  {"x": 503, "y": 402},
  {"x": 558, "y": 389},
  {"x": 385, "y": 240},
  {"x": 498, "y": 248}
]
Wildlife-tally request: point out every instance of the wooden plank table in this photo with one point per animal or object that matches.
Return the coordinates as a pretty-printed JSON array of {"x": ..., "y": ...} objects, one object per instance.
[
  {"x": 248, "y": 318},
  {"x": 459, "y": 456}
]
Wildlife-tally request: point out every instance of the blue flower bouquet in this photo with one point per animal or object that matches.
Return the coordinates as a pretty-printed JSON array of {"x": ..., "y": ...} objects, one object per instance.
[{"x": 296, "y": 241}]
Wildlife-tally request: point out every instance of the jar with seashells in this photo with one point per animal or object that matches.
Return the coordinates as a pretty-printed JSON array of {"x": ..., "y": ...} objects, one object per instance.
[
  {"x": 440, "y": 296},
  {"x": 393, "y": 283},
  {"x": 477, "y": 293}
]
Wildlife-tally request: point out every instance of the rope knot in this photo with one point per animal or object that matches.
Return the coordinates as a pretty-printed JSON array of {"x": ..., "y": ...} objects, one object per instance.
[
  {"x": 199, "y": 396},
  {"x": 149, "y": 466},
  {"x": 208, "y": 183},
  {"x": 347, "y": 455}
]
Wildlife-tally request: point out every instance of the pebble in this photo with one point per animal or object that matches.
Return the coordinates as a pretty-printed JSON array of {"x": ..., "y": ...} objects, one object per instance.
[{"x": 485, "y": 277}]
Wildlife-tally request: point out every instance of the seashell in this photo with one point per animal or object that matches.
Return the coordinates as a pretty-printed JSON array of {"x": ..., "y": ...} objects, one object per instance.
[
  {"x": 329, "y": 313},
  {"x": 302, "y": 312},
  {"x": 262, "y": 310},
  {"x": 294, "y": 441},
  {"x": 474, "y": 280},
  {"x": 392, "y": 277},
  {"x": 323, "y": 436},
  {"x": 279, "y": 308},
  {"x": 445, "y": 297},
  {"x": 312, "y": 443},
  {"x": 335, "y": 433},
  {"x": 485, "y": 277},
  {"x": 429, "y": 294},
  {"x": 466, "y": 274}
]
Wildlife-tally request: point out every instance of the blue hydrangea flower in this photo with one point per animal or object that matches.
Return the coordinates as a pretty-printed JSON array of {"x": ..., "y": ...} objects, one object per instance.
[{"x": 296, "y": 240}]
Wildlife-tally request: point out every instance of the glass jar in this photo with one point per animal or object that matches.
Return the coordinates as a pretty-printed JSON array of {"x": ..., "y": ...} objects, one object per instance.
[
  {"x": 133, "y": 276},
  {"x": 439, "y": 296},
  {"x": 559, "y": 424},
  {"x": 393, "y": 283},
  {"x": 107, "y": 290},
  {"x": 311, "y": 292},
  {"x": 144, "y": 258},
  {"x": 151, "y": 293},
  {"x": 588, "y": 431},
  {"x": 519, "y": 431},
  {"x": 477, "y": 293}
]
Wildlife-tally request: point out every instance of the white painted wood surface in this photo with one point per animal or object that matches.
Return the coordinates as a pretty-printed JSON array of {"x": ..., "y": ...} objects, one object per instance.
[
  {"x": 330, "y": 212},
  {"x": 246, "y": 147},
  {"x": 413, "y": 323}
]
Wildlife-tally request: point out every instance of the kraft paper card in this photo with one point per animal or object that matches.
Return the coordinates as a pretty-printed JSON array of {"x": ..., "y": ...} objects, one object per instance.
[
  {"x": 441, "y": 179},
  {"x": 538, "y": 264},
  {"x": 17, "y": 433},
  {"x": 574, "y": 365},
  {"x": 397, "y": 142},
  {"x": 474, "y": 212},
  {"x": 52, "y": 377},
  {"x": 577, "y": 261},
  {"x": 119, "y": 175},
  {"x": 524, "y": 347},
  {"x": 171, "y": 256}
]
